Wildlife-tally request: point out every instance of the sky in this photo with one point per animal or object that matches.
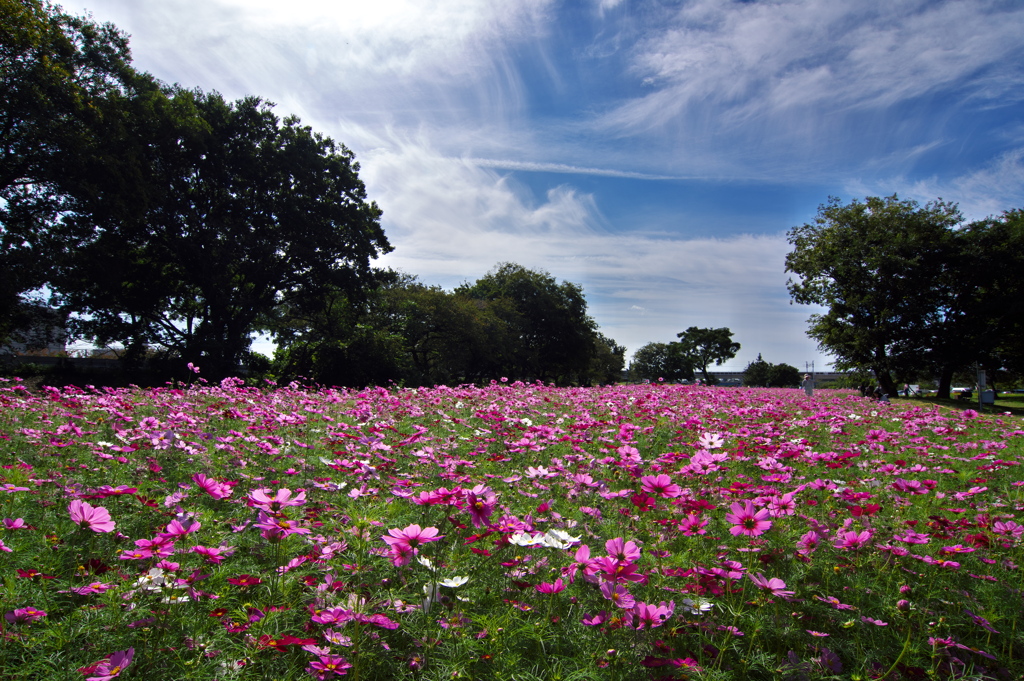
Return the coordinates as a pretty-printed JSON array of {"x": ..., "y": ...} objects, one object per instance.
[{"x": 655, "y": 152}]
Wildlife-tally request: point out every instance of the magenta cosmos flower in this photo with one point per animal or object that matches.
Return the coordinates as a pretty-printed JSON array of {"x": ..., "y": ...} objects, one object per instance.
[
  {"x": 111, "y": 667},
  {"x": 96, "y": 518},
  {"x": 20, "y": 615},
  {"x": 404, "y": 542},
  {"x": 746, "y": 520}
]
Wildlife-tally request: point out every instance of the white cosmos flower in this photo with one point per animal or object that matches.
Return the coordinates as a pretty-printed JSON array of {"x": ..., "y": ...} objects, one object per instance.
[
  {"x": 523, "y": 539},
  {"x": 454, "y": 582},
  {"x": 696, "y": 607},
  {"x": 711, "y": 441},
  {"x": 559, "y": 539}
]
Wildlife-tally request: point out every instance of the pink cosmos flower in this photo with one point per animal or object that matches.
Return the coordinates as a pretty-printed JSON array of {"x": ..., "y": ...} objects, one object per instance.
[
  {"x": 96, "y": 518},
  {"x": 581, "y": 559},
  {"x": 776, "y": 586},
  {"x": 276, "y": 528},
  {"x": 404, "y": 542},
  {"x": 111, "y": 667},
  {"x": 178, "y": 528},
  {"x": 746, "y": 520},
  {"x": 481, "y": 500},
  {"x": 653, "y": 615},
  {"x": 20, "y": 615},
  {"x": 618, "y": 595},
  {"x": 617, "y": 571},
  {"x": 693, "y": 524},
  {"x": 849, "y": 540},
  {"x": 214, "y": 554},
  {"x": 1009, "y": 527},
  {"x": 15, "y": 524},
  {"x": 283, "y": 497},
  {"x": 217, "y": 490},
  {"x": 326, "y": 665},
  {"x": 807, "y": 543},
  {"x": 551, "y": 587},
  {"x": 162, "y": 546},
  {"x": 621, "y": 550},
  {"x": 782, "y": 506},
  {"x": 660, "y": 485}
]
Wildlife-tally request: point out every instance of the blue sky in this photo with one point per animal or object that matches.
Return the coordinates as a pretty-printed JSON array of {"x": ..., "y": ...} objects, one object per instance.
[{"x": 655, "y": 152}]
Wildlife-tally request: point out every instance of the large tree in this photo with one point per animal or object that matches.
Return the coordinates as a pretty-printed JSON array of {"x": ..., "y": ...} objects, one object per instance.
[
  {"x": 704, "y": 346},
  {"x": 660, "y": 361},
  {"x": 241, "y": 212},
  {"x": 56, "y": 73},
  {"x": 552, "y": 335},
  {"x": 884, "y": 269}
]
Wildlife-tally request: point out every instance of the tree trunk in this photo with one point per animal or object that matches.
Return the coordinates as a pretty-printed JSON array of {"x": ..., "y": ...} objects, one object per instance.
[
  {"x": 945, "y": 382},
  {"x": 886, "y": 382}
]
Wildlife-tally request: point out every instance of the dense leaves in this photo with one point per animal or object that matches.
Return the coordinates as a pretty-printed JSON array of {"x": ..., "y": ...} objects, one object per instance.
[
  {"x": 704, "y": 346},
  {"x": 907, "y": 291},
  {"x": 257, "y": 212},
  {"x": 660, "y": 361},
  {"x": 405, "y": 332},
  {"x": 55, "y": 70},
  {"x": 762, "y": 374}
]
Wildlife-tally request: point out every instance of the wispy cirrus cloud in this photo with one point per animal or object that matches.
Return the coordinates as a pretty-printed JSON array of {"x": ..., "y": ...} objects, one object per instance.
[
  {"x": 988, "y": 190},
  {"x": 802, "y": 77}
]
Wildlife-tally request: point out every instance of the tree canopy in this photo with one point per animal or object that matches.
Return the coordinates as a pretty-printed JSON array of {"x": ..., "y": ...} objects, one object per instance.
[
  {"x": 760, "y": 373},
  {"x": 704, "y": 346},
  {"x": 550, "y": 334},
  {"x": 413, "y": 334},
  {"x": 907, "y": 289},
  {"x": 661, "y": 361},
  {"x": 246, "y": 212},
  {"x": 55, "y": 70}
]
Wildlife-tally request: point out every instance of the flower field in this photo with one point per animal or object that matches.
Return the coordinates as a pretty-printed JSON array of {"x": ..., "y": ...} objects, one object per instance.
[{"x": 506, "y": 532}]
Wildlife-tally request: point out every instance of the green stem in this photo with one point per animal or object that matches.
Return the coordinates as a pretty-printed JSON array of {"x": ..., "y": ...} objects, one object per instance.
[{"x": 906, "y": 647}]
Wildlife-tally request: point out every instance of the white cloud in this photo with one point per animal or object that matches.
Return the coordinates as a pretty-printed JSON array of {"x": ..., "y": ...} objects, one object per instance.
[
  {"x": 451, "y": 221},
  {"x": 989, "y": 190},
  {"x": 795, "y": 77}
]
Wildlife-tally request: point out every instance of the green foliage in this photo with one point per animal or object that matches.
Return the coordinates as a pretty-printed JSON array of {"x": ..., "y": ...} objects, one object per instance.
[
  {"x": 704, "y": 346},
  {"x": 246, "y": 212},
  {"x": 404, "y": 332},
  {"x": 55, "y": 72},
  {"x": 607, "y": 362},
  {"x": 908, "y": 292},
  {"x": 656, "y": 361},
  {"x": 763, "y": 374},
  {"x": 550, "y": 336}
]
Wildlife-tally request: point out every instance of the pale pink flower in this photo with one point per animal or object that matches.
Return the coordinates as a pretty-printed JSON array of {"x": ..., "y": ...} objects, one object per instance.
[
  {"x": 404, "y": 542},
  {"x": 776, "y": 586},
  {"x": 96, "y": 518},
  {"x": 260, "y": 498}
]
